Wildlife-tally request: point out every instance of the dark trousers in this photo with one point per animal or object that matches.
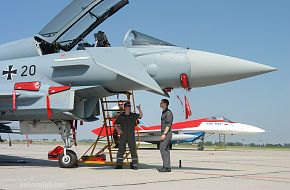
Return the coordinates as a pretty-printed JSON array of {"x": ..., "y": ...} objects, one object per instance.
[
  {"x": 116, "y": 137},
  {"x": 122, "y": 148},
  {"x": 165, "y": 150}
]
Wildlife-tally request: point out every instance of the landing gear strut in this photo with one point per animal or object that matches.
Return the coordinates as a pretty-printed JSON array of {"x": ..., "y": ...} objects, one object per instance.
[
  {"x": 200, "y": 145},
  {"x": 68, "y": 159}
]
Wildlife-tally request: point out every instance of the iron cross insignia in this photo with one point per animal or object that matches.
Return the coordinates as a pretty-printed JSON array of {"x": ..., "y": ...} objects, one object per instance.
[{"x": 9, "y": 72}]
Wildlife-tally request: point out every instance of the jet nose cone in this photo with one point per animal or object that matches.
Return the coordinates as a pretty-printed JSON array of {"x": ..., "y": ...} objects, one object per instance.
[
  {"x": 250, "y": 129},
  {"x": 261, "y": 130},
  {"x": 210, "y": 69}
]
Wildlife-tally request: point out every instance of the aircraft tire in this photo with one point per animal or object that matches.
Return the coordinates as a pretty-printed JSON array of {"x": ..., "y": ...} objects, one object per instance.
[
  {"x": 68, "y": 161},
  {"x": 76, "y": 163}
]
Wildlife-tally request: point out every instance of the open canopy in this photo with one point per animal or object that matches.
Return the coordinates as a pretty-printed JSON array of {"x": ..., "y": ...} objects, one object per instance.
[{"x": 77, "y": 20}]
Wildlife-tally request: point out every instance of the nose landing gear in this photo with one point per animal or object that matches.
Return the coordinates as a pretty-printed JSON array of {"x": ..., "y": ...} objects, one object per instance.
[{"x": 68, "y": 158}]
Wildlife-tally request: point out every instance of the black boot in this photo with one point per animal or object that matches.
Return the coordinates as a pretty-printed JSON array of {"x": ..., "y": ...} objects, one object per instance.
[
  {"x": 119, "y": 167},
  {"x": 134, "y": 166},
  {"x": 165, "y": 170}
]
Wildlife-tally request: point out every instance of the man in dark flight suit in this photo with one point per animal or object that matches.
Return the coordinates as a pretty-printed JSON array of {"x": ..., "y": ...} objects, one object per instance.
[
  {"x": 166, "y": 135},
  {"x": 101, "y": 40},
  {"x": 125, "y": 125}
]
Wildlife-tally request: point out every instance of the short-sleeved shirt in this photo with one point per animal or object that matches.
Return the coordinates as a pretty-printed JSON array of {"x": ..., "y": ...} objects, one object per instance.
[
  {"x": 128, "y": 123},
  {"x": 166, "y": 120}
]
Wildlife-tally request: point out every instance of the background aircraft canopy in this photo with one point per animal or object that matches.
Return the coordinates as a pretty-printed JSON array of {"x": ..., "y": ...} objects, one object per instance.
[
  {"x": 219, "y": 118},
  {"x": 77, "y": 20},
  {"x": 134, "y": 38}
]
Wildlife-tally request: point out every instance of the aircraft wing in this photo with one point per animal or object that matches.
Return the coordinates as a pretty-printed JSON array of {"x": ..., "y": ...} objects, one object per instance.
[
  {"x": 99, "y": 132},
  {"x": 4, "y": 128},
  {"x": 6, "y": 95},
  {"x": 120, "y": 61}
]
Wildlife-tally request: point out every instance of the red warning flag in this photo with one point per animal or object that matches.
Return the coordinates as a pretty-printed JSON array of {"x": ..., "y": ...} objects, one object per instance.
[
  {"x": 14, "y": 100},
  {"x": 49, "y": 112},
  {"x": 187, "y": 108},
  {"x": 27, "y": 139}
]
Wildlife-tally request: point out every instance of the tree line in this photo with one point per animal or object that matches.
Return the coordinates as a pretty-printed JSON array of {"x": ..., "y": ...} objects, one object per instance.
[{"x": 279, "y": 145}]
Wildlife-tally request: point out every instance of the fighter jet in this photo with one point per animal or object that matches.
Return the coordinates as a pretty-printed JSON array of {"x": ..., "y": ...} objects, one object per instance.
[
  {"x": 190, "y": 131},
  {"x": 46, "y": 83},
  {"x": 199, "y": 129}
]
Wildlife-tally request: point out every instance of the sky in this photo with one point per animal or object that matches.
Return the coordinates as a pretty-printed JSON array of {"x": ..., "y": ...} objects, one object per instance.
[{"x": 255, "y": 30}]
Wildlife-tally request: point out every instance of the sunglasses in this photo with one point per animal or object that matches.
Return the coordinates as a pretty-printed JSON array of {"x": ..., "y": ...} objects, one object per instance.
[{"x": 128, "y": 106}]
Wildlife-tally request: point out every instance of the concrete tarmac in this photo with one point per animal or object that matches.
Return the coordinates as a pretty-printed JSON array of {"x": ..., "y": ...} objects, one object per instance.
[{"x": 23, "y": 167}]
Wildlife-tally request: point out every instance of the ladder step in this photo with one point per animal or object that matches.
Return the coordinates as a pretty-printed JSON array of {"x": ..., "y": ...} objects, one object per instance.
[
  {"x": 111, "y": 110},
  {"x": 113, "y": 101},
  {"x": 108, "y": 126}
]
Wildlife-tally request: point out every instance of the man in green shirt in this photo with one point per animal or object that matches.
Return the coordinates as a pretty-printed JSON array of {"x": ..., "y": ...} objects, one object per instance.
[
  {"x": 125, "y": 125},
  {"x": 166, "y": 135}
]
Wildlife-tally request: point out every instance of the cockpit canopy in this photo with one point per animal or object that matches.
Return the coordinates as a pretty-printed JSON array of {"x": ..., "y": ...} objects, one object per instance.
[
  {"x": 219, "y": 118},
  {"x": 134, "y": 38},
  {"x": 75, "y": 22}
]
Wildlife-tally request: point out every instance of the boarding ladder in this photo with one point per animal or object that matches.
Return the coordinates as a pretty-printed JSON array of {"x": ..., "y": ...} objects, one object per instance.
[{"x": 108, "y": 127}]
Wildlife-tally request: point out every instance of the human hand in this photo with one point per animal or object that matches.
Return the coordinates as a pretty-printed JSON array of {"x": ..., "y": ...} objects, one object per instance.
[
  {"x": 162, "y": 137},
  {"x": 139, "y": 107}
]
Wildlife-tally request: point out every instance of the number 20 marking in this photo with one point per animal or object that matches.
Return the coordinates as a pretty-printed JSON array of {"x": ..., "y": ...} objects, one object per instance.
[{"x": 28, "y": 70}]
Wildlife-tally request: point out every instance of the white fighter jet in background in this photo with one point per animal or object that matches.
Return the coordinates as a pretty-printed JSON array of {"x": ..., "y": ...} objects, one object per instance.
[{"x": 190, "y": 131}]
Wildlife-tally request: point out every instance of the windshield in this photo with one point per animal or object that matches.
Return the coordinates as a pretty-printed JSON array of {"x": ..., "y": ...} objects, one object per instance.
[
  {"x": 220, "y": 118},
  {"x": 134, "y": 38}
]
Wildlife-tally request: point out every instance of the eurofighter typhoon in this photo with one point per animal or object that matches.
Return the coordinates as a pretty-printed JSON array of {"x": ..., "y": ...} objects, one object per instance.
[{"x": 47, "y": 84}]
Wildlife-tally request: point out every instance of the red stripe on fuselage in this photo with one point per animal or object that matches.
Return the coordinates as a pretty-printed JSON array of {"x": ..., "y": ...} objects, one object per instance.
[{"x": 177, "y": 126}]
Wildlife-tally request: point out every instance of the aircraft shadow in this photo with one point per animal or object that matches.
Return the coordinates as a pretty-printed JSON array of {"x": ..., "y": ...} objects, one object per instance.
[
  {"x": 6, "y": 160},
  {"x": 152, "y": 166},
  {"x": 185, "y": 149}
]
